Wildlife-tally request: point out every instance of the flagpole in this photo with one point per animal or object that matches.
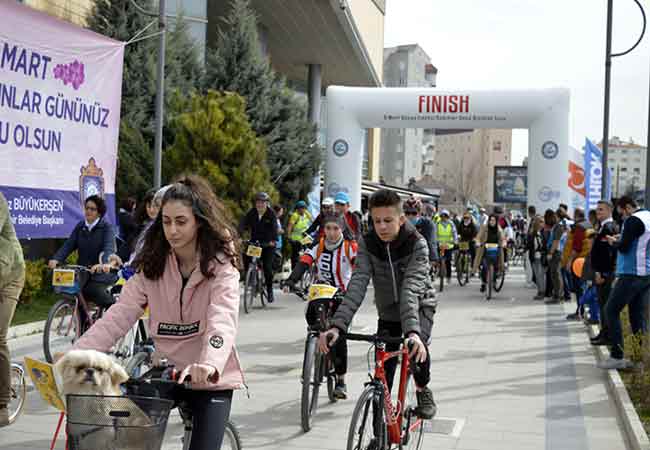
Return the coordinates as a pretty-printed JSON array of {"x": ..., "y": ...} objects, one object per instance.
[
  {"x": 608, "y": 67},
  {"x": 608, "y": 70}
]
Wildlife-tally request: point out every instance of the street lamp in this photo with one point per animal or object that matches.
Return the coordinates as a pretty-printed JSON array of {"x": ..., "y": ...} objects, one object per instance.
[{"x": 608, "y": 67}]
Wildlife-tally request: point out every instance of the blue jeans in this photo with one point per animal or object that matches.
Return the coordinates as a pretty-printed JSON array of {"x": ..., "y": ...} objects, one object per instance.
[{"x": 631, "y": 291}]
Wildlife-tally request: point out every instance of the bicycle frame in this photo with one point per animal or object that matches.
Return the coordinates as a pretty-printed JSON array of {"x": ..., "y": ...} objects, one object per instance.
[{"x": 394, "y": 413}]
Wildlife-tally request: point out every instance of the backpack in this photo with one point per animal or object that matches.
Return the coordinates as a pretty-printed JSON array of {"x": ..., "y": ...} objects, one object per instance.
[{"x": 321, "y": 248}]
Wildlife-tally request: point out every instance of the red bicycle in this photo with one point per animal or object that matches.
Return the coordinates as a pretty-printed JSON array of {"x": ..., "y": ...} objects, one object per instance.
[{"x": 378, "y": 423}]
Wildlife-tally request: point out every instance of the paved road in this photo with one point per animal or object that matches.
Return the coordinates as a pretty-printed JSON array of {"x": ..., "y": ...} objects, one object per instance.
[{"x": 510, "y": 373}]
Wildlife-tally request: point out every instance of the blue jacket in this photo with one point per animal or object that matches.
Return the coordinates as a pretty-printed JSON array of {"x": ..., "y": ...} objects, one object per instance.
[
  {"x": 90, "y": 244},
  {"x": 634, "y": 247}
]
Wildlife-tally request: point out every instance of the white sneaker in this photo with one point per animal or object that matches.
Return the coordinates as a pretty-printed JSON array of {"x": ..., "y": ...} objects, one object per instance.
[{"x": 615, "y": 363}]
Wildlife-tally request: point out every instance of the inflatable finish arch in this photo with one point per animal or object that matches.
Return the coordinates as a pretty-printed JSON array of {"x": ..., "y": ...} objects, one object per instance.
[{"x": 544, "y": 112}]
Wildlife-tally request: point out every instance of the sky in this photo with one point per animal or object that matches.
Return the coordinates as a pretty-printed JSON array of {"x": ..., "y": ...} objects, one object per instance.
[{"x": 483, "y": 44}]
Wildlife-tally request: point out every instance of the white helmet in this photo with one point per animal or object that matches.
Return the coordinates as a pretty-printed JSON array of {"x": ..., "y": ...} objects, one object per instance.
[{"x": 328, "y": 201}]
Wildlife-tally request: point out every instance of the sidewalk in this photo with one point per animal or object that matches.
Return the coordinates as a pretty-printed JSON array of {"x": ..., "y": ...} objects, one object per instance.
[{"x": 507, "y": 374}]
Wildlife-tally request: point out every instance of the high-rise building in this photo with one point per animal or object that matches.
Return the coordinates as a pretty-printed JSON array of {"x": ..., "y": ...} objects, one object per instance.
[
  {"x": 403, "y": 150},
  {"x": 464, "y": 161},
  {"x": 627, "y": 161}
]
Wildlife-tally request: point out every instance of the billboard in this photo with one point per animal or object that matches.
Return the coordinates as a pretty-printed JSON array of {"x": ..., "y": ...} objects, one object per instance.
[
  {"x": 60, "y": 91},
  {"x": 510, "y": 184}
]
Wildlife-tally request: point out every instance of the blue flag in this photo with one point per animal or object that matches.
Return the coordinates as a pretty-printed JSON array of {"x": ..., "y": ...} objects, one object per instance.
[{"x": 593, "y": 176}]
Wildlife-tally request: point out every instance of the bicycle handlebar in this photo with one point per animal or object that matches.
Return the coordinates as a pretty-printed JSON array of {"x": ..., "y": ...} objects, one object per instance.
[{"x": 373, "y": 338}]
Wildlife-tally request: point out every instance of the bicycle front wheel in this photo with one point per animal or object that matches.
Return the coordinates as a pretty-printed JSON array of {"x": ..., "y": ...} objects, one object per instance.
[
  {"x": 461, "y": 269},
  {"x": 61, "y": 328},
  {"x": 490, "y": 281},
  {"x": 249, "y": 289},
  {"x": 499, "y": 278},
  {"x": 310, "y": 383},
  {"x": 367, "y": 427},
  {"x": 231, "y": 439},
  {"x": 261, "y": 287},
  {"x": 17, "y": 393}
]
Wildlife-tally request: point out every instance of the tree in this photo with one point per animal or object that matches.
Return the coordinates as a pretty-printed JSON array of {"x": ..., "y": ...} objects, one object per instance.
[
  {"x": 276, "y": 114},
  {"x": 120, "y": 20},
  {"x": 214, "y": 139}
]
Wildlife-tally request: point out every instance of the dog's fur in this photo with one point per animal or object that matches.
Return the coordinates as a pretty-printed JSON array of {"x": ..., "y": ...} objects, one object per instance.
[{"x": 88, "y": 372}]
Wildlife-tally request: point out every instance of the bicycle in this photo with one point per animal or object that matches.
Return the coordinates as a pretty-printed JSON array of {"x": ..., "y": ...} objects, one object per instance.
[
  {"x": 164, "y": 375},
  {"x": 493, "y": 279},
  {"x": 308, "y": 277},
  {"x": 254, "y": 281},
  {"x": 377, "y": 423},
  {"x": 442, "y": 270},
  {"x": 463, "y": 262},
  {"x": 322, "y": 300},
  {"x": 63, "y": 325},
  {"x": 17, "y": 392}
]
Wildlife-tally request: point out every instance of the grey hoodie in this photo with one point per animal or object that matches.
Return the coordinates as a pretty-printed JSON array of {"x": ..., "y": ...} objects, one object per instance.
[{"x": 400, "y": 275}]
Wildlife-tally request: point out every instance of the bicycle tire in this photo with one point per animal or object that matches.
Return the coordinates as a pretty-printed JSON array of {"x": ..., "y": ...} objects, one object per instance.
[
  {"x": 308, "y": 401},
  {"x": 416, "y": 436},
  {"x": 461, "y": 269},
  {"x": 249, "y": 290},
  {"x": 490, "y": 281},
  {"x": 48, "y": 351},
  {"x": 261, "y": 288},
  {"x": 499, "y": 281},
  {"x": 231, "y": 438},
  {"x": 366, "y": 408},
  {"x": 18, "y": 393}
]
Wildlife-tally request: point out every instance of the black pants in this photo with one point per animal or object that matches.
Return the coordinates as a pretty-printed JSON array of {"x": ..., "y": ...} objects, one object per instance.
[
  {"x": 421, "y": 371},
  {"x": 446, "y": 260},
  {"x": 98, "y": 293},
  {"x": 267, "y": 265},
  {"x": 603, "y": 294},
  {"x": 296, "y": 246}
]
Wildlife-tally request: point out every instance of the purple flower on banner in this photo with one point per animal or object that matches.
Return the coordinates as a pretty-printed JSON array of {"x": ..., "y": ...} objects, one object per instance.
[{"x": 72, "y": 73}]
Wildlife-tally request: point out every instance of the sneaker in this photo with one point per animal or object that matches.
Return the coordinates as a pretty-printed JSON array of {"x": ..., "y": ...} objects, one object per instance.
[
  {"x": 574, "y": 316},
  {"x": 552, "y": 301},
  {"x": 426, "y": 408},
  {"x": 482, "y": 288},
  {"x": 4, "y": 416},
  {"x": 539, "y": 297},
  {"x": 340, "y": 391},
  {"x": 615, "y": 363},
  {"x": 269, "y": 295},
  {"x": 600, "y": 341}
]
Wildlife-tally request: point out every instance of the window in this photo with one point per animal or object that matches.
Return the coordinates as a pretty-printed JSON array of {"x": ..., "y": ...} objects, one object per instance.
[
  {"x": 399, "y": 148},
  {"x": 496, "y": 146},
  {"x": 623, "y": 169},
  {"x": 637, "y": 171},
  {"x": 399, "y": 165},
  {"x": 624, "y": 151}
]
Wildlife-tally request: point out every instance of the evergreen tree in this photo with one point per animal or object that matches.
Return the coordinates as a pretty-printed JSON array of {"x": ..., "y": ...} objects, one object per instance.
[
  {"x": 120, "y": 20},
  {"x": 214, "y": 139},
  {"x": 236, "y": 64}
]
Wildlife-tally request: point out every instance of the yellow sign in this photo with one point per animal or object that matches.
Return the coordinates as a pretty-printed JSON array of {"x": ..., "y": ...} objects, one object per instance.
[
  {"x": 463, "y": 245},
  {"x": 491, "y": 245},
  {"x": 319, "y": 291},
  {"x": 307, "y": 240},
  {"x": 63, "y": 277},
  {"x": 254, "y": 251},
  {"x": 42, "y": 375}
]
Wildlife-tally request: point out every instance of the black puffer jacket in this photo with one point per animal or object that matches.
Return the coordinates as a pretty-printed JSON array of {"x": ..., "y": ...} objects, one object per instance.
[{"x": 400, "y": 275}]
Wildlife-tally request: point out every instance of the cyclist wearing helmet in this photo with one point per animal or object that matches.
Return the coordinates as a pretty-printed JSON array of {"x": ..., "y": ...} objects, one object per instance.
[
  {"x": 447, "y": 237},
  {"x": 262, "y": 223},
  {"x": 326, "y": 208},
  {"x": 423, "y": 225},
  {"x": 467, "y": 232},
  {"x": 299, "y": 221},
  {"x": 342, "y": 206}
]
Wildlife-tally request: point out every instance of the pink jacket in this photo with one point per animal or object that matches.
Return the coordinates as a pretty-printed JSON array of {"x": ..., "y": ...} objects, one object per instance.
[{"x": 197, "y": 325}]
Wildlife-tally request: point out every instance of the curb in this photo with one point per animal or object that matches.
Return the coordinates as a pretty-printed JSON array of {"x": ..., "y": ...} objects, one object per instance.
[
  {"x": 25, "y": 329},
  {"x": 634, "y": 431}
]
